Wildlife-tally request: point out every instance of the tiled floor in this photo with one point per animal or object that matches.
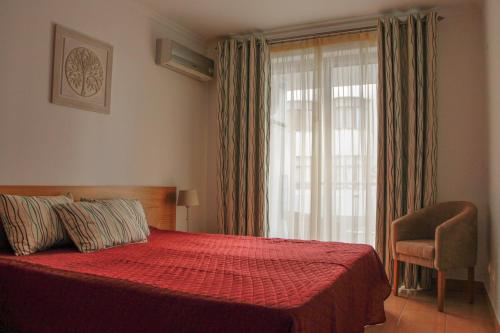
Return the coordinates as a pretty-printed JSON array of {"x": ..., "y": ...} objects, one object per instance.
[{"x": 413, "y": 312}]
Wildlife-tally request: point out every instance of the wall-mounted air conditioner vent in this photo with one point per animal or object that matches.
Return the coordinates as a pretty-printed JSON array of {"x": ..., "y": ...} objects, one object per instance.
[{"x": 179, "y": 58}]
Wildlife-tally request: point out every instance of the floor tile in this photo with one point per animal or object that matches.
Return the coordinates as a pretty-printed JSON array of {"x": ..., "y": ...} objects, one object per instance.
[
  {"x": 416, "y": 312},
  {"x": 393, "y": 308},
  {"x": 421, "y": 321},
  {"x": 456, "y": 324},
  {"x": 478, "y": 310}
]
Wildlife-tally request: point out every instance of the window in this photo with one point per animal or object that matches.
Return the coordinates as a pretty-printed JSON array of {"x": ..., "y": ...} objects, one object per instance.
[{"x": 323, "y": 146}]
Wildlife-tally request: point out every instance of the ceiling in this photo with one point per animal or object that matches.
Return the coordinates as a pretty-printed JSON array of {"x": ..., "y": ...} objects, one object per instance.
[{"x": 214, "y": 18}]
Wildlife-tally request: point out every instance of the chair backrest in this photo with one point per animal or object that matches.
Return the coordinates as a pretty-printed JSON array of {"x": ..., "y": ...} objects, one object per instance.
[{"x": 442, "y": 212}]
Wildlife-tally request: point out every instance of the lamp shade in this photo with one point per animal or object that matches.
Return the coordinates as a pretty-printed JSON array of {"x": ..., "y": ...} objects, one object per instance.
[{"x": 188, "y": 198}]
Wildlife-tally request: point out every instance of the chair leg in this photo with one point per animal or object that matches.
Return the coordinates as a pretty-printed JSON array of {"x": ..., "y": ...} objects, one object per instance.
[
  {"x": 470, "y": 275},
  {"x": 395, "y": 280},
  {"x": 441, "y": 289}
]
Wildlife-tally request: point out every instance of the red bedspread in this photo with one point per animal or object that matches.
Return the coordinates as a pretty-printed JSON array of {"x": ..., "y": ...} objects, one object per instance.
[{"x": 181, "y": 282}]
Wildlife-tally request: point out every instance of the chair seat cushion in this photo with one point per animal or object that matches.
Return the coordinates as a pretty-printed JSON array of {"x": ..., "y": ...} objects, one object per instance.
[{"x": 421, "y": 248}]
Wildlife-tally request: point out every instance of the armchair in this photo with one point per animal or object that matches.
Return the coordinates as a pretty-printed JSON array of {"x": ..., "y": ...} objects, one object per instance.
[{"x": 441, "y": 237}]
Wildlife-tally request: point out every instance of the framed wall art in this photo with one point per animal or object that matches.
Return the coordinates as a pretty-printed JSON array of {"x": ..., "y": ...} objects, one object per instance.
[{"x": 81, "y": 71}]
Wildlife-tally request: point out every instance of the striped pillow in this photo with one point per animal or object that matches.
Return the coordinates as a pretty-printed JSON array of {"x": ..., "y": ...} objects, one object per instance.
[
  {"x": 31, "y": 224},
  {"x": 98, "y": 225},
  {"x": 131, "y": 208}
]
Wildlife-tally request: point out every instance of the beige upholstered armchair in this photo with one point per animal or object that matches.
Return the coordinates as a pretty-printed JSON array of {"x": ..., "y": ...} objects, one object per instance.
[{"x": 442, "y": 236}]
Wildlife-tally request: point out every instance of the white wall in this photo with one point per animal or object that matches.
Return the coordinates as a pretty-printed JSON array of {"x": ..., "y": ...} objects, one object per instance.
[
  {"x": 462, "y": 118},
  {"x": 492, "y": 13},
  {"x": 156, "y": 132}
]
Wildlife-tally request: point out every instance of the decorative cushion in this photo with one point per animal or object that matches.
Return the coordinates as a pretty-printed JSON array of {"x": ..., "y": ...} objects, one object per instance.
[
  {"x": 131, "y": 208},
  {"x": 98, "y": 225},
  {"x": 421, "y": 248},
  {"x": 31, "y": 224}
]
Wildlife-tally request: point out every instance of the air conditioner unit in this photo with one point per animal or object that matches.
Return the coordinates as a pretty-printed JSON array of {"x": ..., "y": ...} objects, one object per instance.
[{"x": 179, "y": 58}]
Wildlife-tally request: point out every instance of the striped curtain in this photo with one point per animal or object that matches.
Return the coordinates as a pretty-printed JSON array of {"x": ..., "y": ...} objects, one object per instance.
[
  {"x": 407, "y": 129},
  {"x": 243, "y": 96}
]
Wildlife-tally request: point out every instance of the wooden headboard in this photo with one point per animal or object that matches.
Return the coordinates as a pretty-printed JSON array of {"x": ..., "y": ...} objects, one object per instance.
[{"x": 159, "y": 202}]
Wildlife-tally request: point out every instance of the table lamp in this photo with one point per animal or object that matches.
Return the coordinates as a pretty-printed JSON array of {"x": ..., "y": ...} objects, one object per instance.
[{"x": 188, "y": 198}]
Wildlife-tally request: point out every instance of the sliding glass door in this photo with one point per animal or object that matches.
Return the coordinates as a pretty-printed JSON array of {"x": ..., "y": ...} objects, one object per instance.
[{"x": 323, "y": 145}]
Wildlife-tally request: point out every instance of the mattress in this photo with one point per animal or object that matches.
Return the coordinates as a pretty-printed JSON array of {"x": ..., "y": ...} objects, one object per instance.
[{"x": 183, "y": 282}]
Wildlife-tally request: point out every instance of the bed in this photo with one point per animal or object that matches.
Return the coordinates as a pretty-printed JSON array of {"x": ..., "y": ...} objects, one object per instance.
[{"x": 185, "y": 282}]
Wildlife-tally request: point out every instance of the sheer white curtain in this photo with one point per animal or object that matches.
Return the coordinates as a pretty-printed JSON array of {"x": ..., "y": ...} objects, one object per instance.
[{"x": 323, "y": 145}]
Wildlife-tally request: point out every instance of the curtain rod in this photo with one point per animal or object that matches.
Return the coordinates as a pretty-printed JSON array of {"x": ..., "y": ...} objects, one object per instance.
[
  {"x": 306, "y": 36},
  {"x": 320, "y": 34}
]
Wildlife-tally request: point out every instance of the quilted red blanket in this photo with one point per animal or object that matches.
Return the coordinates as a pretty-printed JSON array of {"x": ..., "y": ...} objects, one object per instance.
[{"x": 181, "y": 282}]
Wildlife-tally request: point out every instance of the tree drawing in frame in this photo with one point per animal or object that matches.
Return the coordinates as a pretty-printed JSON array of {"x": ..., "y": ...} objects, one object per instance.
[
  {"x": 81, "y": 71},
  {"x": 84, "y": 71}
]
